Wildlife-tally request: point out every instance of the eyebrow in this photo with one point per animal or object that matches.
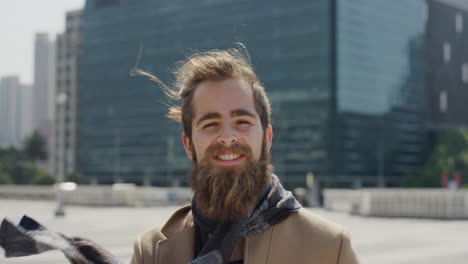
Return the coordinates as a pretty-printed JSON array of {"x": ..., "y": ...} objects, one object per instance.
[
  {"x": 234, "y": 113},
  {"x": 209, "y": 115},
  {"x": 242, "y": 112}
]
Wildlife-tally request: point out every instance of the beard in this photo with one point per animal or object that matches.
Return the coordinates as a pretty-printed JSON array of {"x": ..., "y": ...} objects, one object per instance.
[{"x": 229, "y": 193}]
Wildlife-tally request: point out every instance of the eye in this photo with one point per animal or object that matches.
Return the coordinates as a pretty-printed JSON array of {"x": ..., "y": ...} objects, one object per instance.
[
  {"x": 243, "y": 122},
  {"x": 210, "y": 125}
]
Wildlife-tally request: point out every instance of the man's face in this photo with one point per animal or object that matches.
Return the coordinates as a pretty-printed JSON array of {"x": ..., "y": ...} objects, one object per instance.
[
  {"x": 224, "y": 114},
  {"x": 229, "y": 150}
]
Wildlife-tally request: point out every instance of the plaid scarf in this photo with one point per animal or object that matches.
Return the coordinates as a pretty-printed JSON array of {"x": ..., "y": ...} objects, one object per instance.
[
  {"x": 275, "y": 205},
  {"x": 31, "y": 238}
]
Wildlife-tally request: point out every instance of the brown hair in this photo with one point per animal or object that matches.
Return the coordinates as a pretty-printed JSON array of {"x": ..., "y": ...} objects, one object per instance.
[{"x": 215, "y": 65}]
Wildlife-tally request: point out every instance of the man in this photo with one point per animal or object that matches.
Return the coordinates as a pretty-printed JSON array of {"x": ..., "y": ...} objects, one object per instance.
[{"x": 240, "y": 213}]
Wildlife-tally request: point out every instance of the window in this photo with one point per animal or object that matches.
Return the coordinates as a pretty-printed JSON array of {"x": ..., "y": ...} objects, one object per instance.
[
  {"x": 447, "y": 52},
  {"x": 465, "y": 72},
  {"x": 443, "y": 101},
  {"x": 425, "y": 13},
  {"x": 458, "y": 23}
]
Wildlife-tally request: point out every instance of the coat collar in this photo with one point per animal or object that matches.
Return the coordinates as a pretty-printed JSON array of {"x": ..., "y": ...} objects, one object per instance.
[
  {"x": 178, "y": 248},
  {"x": 179, "y": 220}
]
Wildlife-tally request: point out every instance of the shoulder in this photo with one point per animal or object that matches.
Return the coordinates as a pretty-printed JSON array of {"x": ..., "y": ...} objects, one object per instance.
[
  {"x": 312, "y": 221},
  {"x": 146, "y": 242},
  {"x": 310, "y": 225},
  {"x": 308, "y": 235}
]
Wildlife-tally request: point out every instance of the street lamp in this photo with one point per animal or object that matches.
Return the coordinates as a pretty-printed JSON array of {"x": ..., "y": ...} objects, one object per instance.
[{"x": 61, "y": 100}]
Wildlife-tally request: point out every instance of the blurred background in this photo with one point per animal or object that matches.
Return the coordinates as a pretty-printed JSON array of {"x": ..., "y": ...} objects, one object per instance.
[{"x": 365, "y": 93}]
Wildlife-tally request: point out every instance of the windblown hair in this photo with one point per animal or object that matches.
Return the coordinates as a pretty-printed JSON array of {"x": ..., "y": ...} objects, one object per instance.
[{"x": 215, "y": 65}]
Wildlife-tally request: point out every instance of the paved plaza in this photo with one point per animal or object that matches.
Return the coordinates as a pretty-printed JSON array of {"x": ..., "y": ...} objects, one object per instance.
[{"x": 377, "y": 240}]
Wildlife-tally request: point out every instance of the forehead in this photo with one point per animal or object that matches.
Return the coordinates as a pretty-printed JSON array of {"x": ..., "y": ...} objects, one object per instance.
[{"x": 222, "y": 97}]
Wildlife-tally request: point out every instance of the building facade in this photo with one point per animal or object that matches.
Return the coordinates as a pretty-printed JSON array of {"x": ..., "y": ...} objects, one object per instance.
[
  {"x": 447, "y": 78},
  {"x": 68, "y": 56},
  {"x": 331, "y": 85}
]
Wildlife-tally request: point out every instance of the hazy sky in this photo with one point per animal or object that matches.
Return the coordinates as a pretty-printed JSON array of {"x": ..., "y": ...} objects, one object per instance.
[{"x": 19, "y": 20}]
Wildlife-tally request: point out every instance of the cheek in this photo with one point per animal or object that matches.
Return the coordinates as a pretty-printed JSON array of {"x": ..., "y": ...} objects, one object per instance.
[
  {"x": 200, "y": 143},
  {"x": 258, "y": 148},
  {"x": 255, "y": 142}
]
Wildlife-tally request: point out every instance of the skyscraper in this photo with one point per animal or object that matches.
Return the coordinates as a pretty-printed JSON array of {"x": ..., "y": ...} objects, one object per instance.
[
  {"x": 68, "y": 55},
  {"x": 43, "y": 83},
  {"x": 43, "y": 92},
  {"x": 345, "y": 81}
]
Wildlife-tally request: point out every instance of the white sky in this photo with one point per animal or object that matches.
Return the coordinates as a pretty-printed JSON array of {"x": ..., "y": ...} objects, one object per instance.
[{"x": 19, "y": 20}]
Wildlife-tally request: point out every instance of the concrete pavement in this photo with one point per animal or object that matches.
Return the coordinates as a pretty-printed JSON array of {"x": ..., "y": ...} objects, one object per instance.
[{"x": 377, "y": 240}]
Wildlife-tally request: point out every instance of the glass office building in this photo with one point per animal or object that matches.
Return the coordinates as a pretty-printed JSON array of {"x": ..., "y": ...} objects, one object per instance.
[
  {"x": 303, "y": 53},
  {"x": 380, "y": 98}
]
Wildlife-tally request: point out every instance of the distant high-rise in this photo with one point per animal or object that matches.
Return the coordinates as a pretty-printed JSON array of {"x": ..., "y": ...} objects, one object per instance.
[
  {"x": 15, "y": 111},
  {"x": 68, "y": 55},
  {"x": 43, "y": 93},
  {"x": 43, "y": 81},
  {"x": 447, "y": 78},
  {"x": 345, "y": 79}
]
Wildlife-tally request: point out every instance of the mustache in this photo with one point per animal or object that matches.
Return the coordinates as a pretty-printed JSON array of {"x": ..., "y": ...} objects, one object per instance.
[{"x": 217, "y": 149}]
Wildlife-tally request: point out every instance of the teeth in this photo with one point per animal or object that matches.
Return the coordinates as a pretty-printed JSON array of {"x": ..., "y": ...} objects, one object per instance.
[{"x": 228, "y": 157}]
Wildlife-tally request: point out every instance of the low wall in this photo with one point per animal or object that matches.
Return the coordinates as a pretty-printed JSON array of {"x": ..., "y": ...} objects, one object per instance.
[
  {"x": 148, "y": 196},
  {"x": 340, "y": 199},
  {"x": 27, "y": 192},
  {"x": 118, "y": 195},
  {"x": 424, "y": 203}
]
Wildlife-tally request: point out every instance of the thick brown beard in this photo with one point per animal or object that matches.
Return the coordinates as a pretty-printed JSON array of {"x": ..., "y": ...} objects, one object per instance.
[{"x": 227, "y": 194}]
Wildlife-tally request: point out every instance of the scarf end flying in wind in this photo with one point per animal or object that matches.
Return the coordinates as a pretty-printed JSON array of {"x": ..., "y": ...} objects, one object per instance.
[{"x": 31, "y": 238}]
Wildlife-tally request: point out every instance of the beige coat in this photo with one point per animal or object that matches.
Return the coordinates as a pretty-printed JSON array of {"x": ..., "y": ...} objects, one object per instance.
[{"x": 303, "y": 237}]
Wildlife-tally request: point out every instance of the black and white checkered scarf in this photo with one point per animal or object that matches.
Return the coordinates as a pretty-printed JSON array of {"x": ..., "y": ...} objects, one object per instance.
[
  {"x": 275, "y": 205},
  {"x": 31, "y": 238}
]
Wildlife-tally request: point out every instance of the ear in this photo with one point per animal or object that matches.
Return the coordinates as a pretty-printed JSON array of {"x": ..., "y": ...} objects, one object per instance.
[
  {"x": 188, "y": 149},
  {"x": 269, "y": 136}
]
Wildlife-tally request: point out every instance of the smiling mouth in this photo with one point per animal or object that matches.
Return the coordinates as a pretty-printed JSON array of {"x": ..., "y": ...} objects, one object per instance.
[{"x": 228, "y": 157}]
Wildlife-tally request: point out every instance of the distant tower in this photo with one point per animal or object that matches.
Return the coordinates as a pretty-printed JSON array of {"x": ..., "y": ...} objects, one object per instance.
[
  {"x": 43, "y": 84},
  {"x": 43, "y": 89}
]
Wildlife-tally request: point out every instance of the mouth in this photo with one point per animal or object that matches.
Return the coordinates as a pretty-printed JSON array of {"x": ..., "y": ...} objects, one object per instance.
[{"x": 228, "y": 158}]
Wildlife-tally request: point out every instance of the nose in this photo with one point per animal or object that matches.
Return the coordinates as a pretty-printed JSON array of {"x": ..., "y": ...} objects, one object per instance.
[{"x": 227, "y": 136}]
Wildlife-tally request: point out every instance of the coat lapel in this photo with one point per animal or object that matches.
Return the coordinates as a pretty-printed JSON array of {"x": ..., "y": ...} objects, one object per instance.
[
  {"x": 257, "y": 247},
  {"x": 178, "y": 249}
]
